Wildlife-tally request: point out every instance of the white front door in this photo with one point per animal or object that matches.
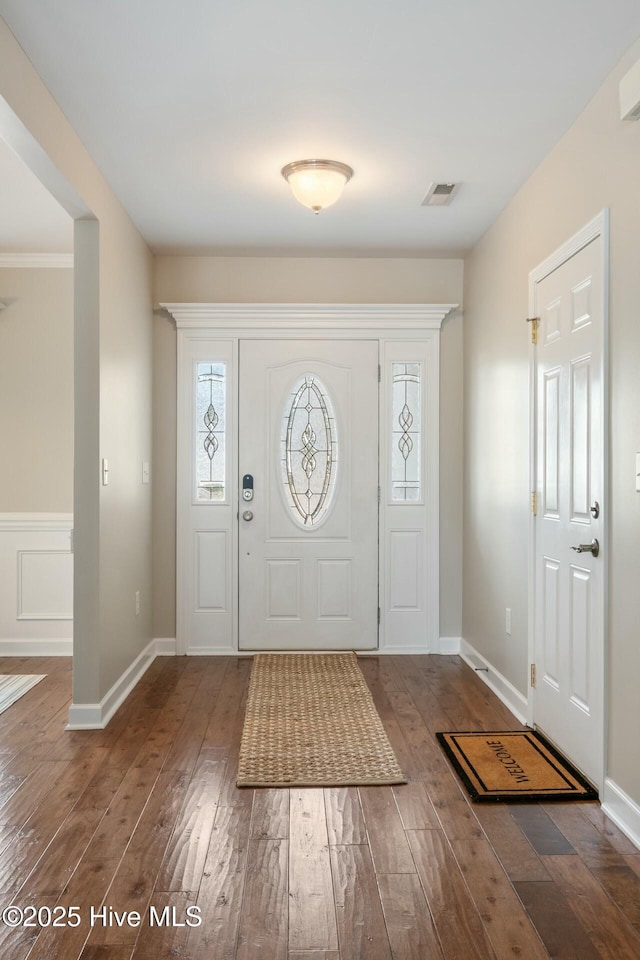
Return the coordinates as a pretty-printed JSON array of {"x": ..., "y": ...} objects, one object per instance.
[
  {"x": 308, "y": 537},
  {"x": 570, "y": 582}
]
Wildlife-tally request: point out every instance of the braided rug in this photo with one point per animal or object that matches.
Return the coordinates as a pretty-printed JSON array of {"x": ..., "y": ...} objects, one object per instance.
[{"x": 311, "y": 722}]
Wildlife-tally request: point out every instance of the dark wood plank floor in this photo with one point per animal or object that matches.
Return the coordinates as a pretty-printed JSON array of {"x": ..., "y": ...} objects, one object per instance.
[{"x": 146, "y": 814}]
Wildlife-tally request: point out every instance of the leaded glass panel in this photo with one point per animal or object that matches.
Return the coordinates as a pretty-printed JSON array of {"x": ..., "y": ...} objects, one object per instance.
[
  {"x": 309, "y": 446},
  {"x": 406, "y": 432},
  {"x": 210, "y": 431}
]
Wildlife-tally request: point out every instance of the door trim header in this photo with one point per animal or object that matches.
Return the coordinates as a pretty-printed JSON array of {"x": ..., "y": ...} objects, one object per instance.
[{"x": 308, "y": 316}]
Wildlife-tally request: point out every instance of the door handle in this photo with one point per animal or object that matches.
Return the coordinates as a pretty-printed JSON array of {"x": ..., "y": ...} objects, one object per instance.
[
  {"x": 247, "y": 515},
  {"x": 593, "y": 548}
]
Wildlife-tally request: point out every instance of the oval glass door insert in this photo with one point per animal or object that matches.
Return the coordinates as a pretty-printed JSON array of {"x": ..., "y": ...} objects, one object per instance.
[{"x": 309, "y": 450}]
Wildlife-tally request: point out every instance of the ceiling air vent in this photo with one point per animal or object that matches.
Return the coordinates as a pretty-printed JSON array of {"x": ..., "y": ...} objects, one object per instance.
[{"x": 440, "y": 194}]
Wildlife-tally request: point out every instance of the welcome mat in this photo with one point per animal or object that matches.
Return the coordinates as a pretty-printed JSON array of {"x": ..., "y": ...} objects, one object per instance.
[
  {"x": 14, "y": 685},
  {"x": 311, "y": 722},
  {"x": 520, "y": 765}
]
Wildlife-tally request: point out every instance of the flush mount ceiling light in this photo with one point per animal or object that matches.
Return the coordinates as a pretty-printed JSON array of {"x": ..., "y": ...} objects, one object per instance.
[{"x": 317, "y": 183}]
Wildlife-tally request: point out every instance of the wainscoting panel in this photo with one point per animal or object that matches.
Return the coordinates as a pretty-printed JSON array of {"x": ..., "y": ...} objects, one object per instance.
[
  {"x": 45, "y": 585},
  {"x": 36, "y": 584}
]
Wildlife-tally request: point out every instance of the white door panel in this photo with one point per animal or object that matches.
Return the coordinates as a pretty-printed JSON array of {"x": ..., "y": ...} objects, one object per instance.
[
  {"x": 308, "y": 540},
  {"x": 569, "y": 586}
]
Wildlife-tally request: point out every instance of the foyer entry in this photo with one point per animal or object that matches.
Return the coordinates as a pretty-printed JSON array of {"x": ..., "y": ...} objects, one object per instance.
[{"x": 307, "y": 508}]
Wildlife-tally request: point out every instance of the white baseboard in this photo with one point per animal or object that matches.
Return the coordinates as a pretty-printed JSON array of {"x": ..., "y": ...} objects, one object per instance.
[
  {"x": 220, "y": 652},
  {"x": 624, "y": 811},
  {"x": 502, "y": 687},
  {"x": 389, "y": 652},
  {"x": 448, "y": 646},
  {"x": 165, "y": 646},
  {"x": 36, "y": 648},
  {"x": 95, "y": 716}
]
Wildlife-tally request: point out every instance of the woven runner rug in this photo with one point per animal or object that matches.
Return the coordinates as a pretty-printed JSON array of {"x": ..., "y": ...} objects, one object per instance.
[
  {"x": 13, "y": 686},
  {"x": 513, "y": 765},
  {"x": 311, "y": 722}
]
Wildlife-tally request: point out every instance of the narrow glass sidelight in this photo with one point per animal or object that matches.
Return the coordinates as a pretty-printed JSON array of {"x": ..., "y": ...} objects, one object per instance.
[
  {"x": 309, "y": 450},
  {"x": 210, "y": 431},
  {"x": 406, "y": 432}
]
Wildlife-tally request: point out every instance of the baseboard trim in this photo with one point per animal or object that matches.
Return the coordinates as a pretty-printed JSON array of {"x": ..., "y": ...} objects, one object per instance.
[
  {"x": 448, "y": 646},
  {"x": 625, "y": 812},
  {"x": 165, "y": 646},
  {"x": 233, "y": 652},
  {"x": 96, "y": 716},
  {"x": 36, "y": 648},
  {"x": 503, "y": 688},
  {"x": 221, "y": 652}
]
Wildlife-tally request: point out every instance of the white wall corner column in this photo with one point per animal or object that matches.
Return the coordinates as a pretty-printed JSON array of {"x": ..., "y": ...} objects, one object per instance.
[{"x": 408, "y": 339}]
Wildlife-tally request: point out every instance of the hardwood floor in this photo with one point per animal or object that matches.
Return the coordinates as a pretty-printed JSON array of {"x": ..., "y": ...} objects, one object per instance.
[{"x": 146, "y": 815}]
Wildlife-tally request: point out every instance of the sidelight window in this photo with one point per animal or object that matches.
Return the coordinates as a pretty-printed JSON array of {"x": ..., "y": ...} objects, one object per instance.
[
  {"x": 210, "y": 431},
  {"x": 406, "y": 429}
]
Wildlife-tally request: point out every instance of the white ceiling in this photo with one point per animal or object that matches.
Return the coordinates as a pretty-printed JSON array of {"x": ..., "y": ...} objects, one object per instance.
[{"x": 191, "y": 109}]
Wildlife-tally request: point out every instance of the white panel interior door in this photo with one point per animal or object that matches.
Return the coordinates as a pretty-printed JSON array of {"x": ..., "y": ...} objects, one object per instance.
[
  {"x": 569, "y": 585},
  {"x": 308, "y": 540}
]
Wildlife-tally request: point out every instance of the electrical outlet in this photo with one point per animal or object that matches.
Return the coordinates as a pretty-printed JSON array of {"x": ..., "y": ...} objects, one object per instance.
[
  {"x": 137, "y": 603},
  {"x": 507, "y": 621}
]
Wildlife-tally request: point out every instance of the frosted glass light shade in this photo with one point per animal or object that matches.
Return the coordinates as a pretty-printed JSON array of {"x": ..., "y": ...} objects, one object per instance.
[{"x": 317, "y": 183}]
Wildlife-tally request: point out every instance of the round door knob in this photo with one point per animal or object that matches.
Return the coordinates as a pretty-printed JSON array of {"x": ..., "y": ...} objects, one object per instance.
[{"x": 247, "y": 515}]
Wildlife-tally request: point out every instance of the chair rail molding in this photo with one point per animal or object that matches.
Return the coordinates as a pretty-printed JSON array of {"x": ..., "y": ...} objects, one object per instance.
[{"x": 36, "y": 260}]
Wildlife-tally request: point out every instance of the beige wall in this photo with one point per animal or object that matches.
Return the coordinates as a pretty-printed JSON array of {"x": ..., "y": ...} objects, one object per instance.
[
  {"x": 595, "y": 165},
  {"x": 36, "y": 390},
  {"x": 113, "y": 358},
  {"x": 306, "y": 280}
]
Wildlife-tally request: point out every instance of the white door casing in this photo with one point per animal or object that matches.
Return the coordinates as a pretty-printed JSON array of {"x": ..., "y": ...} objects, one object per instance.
[
  {"x": 569, "y": 296},
  {"x": 308, "y": 541},
  {"x": 207, "y": 560}
]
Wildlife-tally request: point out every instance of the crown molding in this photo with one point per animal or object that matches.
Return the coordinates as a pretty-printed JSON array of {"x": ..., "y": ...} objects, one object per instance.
[
  {"x": 422, "y": 316},
  {"x": 58, "y": 260}
]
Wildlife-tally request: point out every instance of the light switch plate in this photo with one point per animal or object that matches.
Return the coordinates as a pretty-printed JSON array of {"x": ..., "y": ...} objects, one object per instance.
[
  {"x": 105, "y": 472},
  {"x": 145, "y": 471},
  {"x": 638, "y": 472}
]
